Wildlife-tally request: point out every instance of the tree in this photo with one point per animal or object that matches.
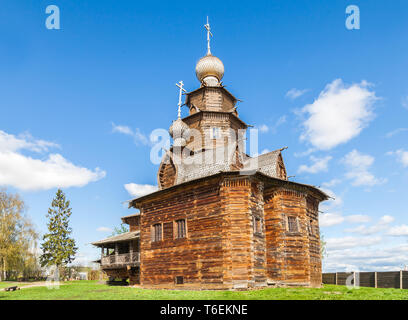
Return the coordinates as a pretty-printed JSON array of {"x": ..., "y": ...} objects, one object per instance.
[
  {"x": 323, "y": 252},
  {"x": 119, "y": 230},
  {"x": 58, "y": 247},
  {"x": 18, "y": 237}
]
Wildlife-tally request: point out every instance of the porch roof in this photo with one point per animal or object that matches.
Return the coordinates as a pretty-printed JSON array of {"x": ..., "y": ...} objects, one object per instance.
[{"x": 119, "y": 238}]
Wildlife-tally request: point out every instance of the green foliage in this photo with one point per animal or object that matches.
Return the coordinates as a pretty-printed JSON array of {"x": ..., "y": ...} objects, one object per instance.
[
  {"x": 18, "y": 239},
  {"x": 323, "y": 251},
  {"x": 58, "y": 247},
  {"x": 119, "y": 230}
]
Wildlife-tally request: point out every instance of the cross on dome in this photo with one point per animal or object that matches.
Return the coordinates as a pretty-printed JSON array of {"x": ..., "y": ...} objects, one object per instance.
[
  {"x": 209, "y": 69},
  {"x": 208, "y": 28},
  {"x": 180, "y": 85}
]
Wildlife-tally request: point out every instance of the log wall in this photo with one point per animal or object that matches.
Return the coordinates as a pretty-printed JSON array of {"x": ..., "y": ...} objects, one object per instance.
[
  {"x": 223, "y": 249},
  {"x": 293, "y": 258}
]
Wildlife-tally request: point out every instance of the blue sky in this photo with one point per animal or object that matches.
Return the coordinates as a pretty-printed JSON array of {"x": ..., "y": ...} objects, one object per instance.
[{"x": 337, "y": 98}]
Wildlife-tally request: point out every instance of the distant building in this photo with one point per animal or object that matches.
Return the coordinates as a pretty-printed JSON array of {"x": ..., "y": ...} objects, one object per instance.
[
  {"x": 220, "y": 219},
  {"x": 83, "y": 275}
]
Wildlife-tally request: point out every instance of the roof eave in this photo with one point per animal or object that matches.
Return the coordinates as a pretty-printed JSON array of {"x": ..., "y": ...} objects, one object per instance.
[{"x": 134, "y": 202}]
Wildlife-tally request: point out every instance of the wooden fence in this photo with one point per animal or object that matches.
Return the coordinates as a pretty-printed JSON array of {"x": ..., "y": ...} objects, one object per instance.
[{"x": 390, "y": 279}]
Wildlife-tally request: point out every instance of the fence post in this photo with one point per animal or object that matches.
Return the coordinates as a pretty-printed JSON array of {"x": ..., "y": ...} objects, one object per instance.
[
  {"x": 375, "y": 278},
  {"x": 354, "y": 278},
  {"x": 336, "y": 278},
  {"x": 401, "y": 279}
]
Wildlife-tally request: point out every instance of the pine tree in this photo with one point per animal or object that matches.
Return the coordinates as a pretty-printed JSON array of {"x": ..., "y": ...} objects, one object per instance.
[{"x": 58, "y": 247}]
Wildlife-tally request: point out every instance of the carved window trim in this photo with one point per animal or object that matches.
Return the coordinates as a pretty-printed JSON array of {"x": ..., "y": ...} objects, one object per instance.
[
  {"x": 311, "y": 227},
  {"x": 292, "y": 224},
  {"x": 215, "y": 132},
  {"x": 257, "y": 225},
  {"x": 180, "y": 228},
  {"x": 157, "y": 232}
]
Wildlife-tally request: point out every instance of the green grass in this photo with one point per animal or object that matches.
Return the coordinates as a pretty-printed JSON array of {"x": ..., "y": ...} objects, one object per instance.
[{"x": 92, "y": 290}]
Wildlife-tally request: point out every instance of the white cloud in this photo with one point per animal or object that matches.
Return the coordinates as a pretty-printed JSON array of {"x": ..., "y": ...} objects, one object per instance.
[
  {"x": 381, "y": 225},
  {"x": 304, "y": 153},
  {"x": 350, "y": 242},
  {"x": 402, "y": 156},
  {"x": 25, "y": 141},
  {"x": 138, "y": 190},
  {"x": 330, "y": 219},
  {"x": 331, "y": 183},
  {"x": 364, "y": 230},
  {"x": 28, "y": 173},
  {"x": 386, "y": 219},
  {"x": 122, "y": 129},
  {"x": 404, "y": 102},
  {"x": 264, "y": 128},
  {"x": 358, "y": 218},
  {"x": 104, "y": 229},
  {"x": 295, "y": 93},
  {"x": 358, "y": 169},
  {"x": 319, "y": 164},
  {"x": 398, "y": 231},
  {"x": 273, "y": 128},
  {"x": 331, "y": 205},
  {"x": 137, "y": 135},
  {"x": 339, "y": 114},
  {"x": 396, "y": 131},
  {"x": 374, "y": 258}
]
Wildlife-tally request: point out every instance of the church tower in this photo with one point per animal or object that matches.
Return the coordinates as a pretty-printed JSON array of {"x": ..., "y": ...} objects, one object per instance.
[{"x": 212, "y": 137}]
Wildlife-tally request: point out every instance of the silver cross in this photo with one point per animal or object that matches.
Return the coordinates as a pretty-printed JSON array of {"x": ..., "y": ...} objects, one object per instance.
[
  {"x": 208, "y": 28},
  {"x": 180, "y": 85}
]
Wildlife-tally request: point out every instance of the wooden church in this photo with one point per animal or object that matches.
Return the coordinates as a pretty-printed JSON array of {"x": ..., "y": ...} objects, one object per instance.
[{"x": 220, "y": 219}]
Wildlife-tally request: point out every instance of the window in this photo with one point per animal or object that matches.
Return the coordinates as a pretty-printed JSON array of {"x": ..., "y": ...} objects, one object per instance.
[
  {"x": 257, "y": 225},
  {"x": 310, "y": 227},
  {"x": 292, "y": 224},
  {"x": 157, "y": 232},
  {"x": 181, "y": 228},
  {"x": 179, "y": 279},
  {"x": 215, "y": 133}
]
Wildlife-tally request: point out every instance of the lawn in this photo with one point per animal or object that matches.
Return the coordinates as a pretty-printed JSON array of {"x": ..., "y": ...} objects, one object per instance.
[{"x": 92, "y": 290}]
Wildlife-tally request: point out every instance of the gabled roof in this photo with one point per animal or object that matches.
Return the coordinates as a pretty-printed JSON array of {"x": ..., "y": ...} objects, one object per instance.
[
  {"x": 137, "y": 214},
  {"x": 265, "y": 163},
  {"x": 119, "y": 238}
]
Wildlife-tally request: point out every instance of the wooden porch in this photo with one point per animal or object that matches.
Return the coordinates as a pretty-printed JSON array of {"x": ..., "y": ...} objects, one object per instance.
[{"x": 120, "y": 251}]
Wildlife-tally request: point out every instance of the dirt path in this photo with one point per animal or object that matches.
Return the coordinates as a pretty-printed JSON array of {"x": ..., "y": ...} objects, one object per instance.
[
  {"x": 34, "y": 284},
  {"x": 27, "y": 285}
]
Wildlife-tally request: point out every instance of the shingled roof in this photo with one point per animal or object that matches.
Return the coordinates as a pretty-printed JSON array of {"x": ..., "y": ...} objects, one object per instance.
[
  {"x": 205, "y": 163},
  {"x": 119, "y": 238},
  {"x": 266, "y": 163},
  {"x": 198, "y": 165}
]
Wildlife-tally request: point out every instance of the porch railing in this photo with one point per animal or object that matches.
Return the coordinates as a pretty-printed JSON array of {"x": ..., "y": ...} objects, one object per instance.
[{"x": 125, "y": 258}]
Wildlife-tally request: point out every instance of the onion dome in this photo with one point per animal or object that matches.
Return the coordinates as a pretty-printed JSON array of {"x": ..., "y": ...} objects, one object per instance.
[
  {"x": 209, "y": 70},
  {"x": 178, "y": 129}
]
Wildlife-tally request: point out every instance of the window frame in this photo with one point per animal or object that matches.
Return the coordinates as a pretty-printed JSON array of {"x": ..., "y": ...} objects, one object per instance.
[
  {"x": 295, "y": 223},
  {"x": 257, "y": 225},
  {"x": 155, "y": 233},
  {"x": 215, "y": 133},
  {"x": 311, "y": 228},
  {"x": 177, "y": 229}
]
